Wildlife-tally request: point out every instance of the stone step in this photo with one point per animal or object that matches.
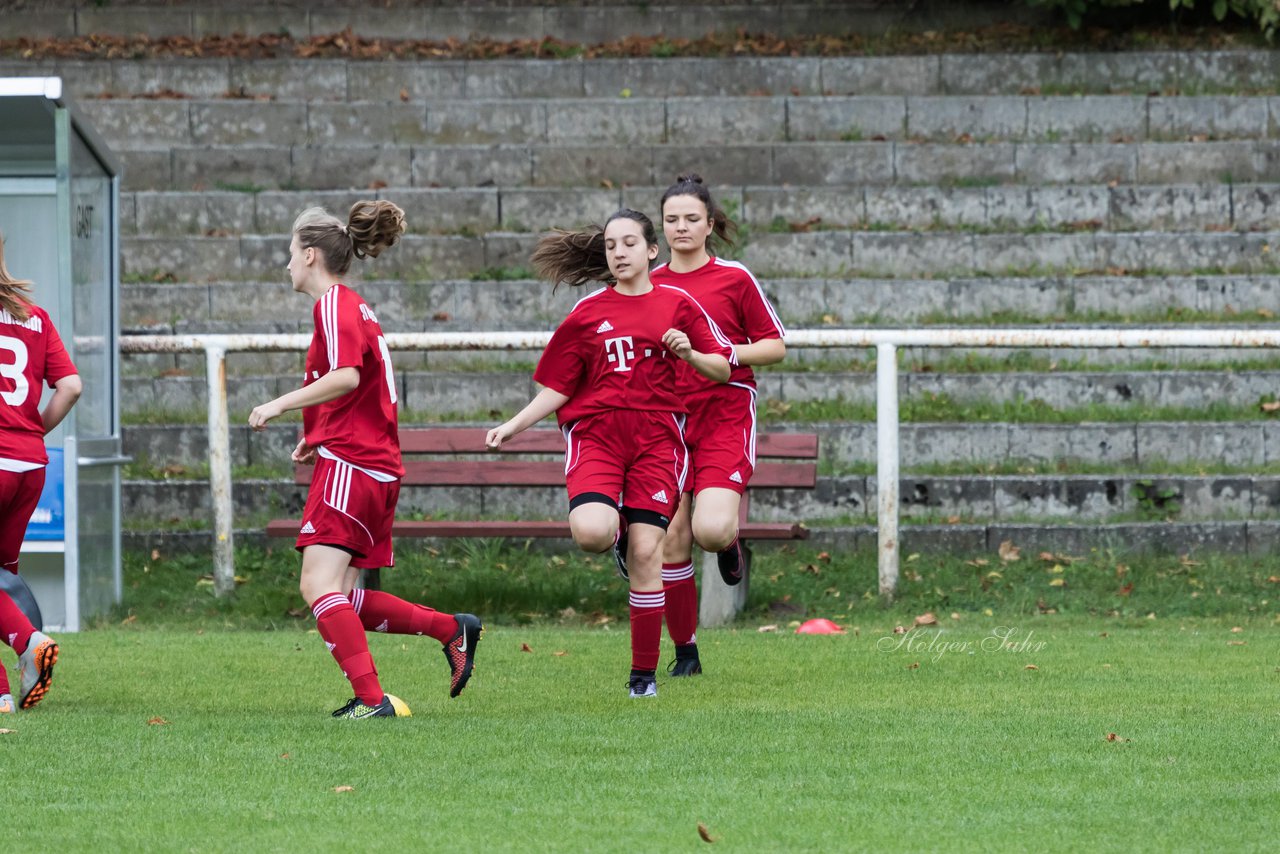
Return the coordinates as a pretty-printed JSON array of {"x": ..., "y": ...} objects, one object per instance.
[
  {"x": 522, "y": 304},
  {"x": 845, "y": 252},
  {"x": 844, "y": 445},
  {"x": 321, "y": 79},
  {"x": 821, "y": 164},
  {"x": 469, "y": 210},
  {"x": 443, "y": 390},
  {"x": 588, "y": 22},
  {"x": 1253, "y": 537},
  {"x": 689, "y": 120},
  {"x": 848, "y": 498}
]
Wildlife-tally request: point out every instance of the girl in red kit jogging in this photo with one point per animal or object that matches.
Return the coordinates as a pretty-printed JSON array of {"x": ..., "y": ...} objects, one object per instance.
[
  {"x": 350, "y": 431},
  {"x": 609, "y": 374},
  {"x": 721, "y": 428},
  {"x": 31, "y": 355}
]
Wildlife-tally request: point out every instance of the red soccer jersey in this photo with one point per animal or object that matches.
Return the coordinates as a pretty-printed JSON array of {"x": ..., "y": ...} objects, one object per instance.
[
  {"x": 608, "y": 353},
  {"x": 360, "y": 427},
  {"x": 31, "y": 354},
  {"x": 735, "y": 301}
]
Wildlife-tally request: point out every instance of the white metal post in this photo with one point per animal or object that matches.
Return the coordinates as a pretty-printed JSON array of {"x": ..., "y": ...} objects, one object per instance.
[
  {"x": 224, "y": 569},
  {"x": 887, "y": 466}
]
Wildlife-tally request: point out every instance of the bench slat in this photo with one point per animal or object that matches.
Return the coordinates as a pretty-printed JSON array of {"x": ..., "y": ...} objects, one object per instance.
[
  {"x": 470, "y": 440},
  {"x": 528, "y": 529},
  {"x": 551, "y": 473}
]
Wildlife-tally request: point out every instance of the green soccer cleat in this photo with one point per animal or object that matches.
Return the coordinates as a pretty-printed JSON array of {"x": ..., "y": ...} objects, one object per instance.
[{"x": 391, "y": 706}]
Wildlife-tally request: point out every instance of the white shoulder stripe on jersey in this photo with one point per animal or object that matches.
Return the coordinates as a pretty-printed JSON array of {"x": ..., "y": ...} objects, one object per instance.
[
  {"x": 594, "y": 293},
  {"x": 329, "y": 324},
  {"x": 773, "y": 314}
]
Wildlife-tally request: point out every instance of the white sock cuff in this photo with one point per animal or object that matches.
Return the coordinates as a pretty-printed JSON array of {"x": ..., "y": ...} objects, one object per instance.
[
  {"x": 678, "y": 573},
  {"x": 657, "y": 599}
]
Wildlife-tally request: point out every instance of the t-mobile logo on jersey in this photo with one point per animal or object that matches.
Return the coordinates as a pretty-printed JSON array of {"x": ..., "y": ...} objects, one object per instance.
[{"x": 620, "y": 351}]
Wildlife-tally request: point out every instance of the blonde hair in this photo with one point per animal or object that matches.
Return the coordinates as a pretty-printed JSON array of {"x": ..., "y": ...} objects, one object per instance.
[
  {"x": 370, "y": 228},
  {"x": 14, "y": 293}
]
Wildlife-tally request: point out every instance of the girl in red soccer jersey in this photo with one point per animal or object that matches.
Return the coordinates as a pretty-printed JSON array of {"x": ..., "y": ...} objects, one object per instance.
[
  {"x": 348, "y": 402},
  {"x": 721, "y": 428},
  {"x": 31, "y": 354},
  {"x": 609, "y": 374}
]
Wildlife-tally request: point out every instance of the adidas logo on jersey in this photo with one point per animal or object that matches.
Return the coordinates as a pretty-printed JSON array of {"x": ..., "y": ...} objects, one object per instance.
[
  {"x": 604, "y": 327},
  {"x": 735, "y": 477},
  {"x": 308, "y": 528},
  {"x": 332, "y": 647},
  {"x": 660, "y": 495}
]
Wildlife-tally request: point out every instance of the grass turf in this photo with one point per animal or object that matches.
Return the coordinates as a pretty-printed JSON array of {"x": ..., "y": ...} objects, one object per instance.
[{"x": 159, "y": 740}]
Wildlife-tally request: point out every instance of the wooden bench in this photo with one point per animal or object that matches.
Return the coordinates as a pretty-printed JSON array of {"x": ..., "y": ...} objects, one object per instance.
[{"x": 456, "y": 457}]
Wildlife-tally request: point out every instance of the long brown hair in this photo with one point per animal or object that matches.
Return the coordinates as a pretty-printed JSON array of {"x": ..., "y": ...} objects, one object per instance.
[
  {"x": 723, "y": 229},
  {"x": 577, "y": 258},
  {"x": 371, "y": 227},
  {"x": 14, "y": 293}
]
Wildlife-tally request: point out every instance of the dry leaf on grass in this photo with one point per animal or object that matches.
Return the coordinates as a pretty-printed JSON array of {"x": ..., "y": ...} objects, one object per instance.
[
  {"x": 7, "y": 731},
  {"x": 1031, "y": 667},
  {"x": 344, "y": 788},
  {"x": 772, "y": 627},
  {"x": 927, "y": 619},
  {"x": 1111, "y": 736},
  {"x": 705, "y": 834},
  {"x": 560, "y": 653},
  {"x": 157, "y": 721},
  {"x": 915, "y": 665},
  {"x": 1009, "y": 552},
  {"x": 524, "y": 647}
]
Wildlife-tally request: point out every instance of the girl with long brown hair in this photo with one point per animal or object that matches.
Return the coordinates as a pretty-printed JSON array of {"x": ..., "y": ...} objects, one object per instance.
[{"x": 609, "y": 375}]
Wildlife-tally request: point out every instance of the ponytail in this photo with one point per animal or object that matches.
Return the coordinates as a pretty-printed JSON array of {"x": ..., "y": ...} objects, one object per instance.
[
  {"x": 577, "y": 258},
  {"x": 371, "y": 227}
]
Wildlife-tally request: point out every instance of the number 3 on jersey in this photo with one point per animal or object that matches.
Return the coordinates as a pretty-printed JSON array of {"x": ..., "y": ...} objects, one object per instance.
[
  {"x": 17, "y": 371},
  {"x": 386, "y": 364}
]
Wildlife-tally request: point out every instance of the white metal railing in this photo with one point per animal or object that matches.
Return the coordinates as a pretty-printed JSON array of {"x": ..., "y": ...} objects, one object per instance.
[{"x": 886, "y": 342}]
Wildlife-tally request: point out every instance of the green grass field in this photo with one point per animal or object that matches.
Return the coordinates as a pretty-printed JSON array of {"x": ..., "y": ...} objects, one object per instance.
[
  {"x": 220, "y": 741},
  {"x": 1039, "y": 716}
]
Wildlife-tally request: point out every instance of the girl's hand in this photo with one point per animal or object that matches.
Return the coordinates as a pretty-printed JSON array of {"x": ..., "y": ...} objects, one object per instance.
[
  {"x": 260, "y": 415},
  {"x": 495, "y": 437},
  {"x": 304, "y": 453},
  {"x": 677, "y": 342}
]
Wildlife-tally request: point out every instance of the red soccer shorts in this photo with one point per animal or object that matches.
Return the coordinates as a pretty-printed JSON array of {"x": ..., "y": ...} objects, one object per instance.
[
  {"x": 639, "y": 456},
  {"x": 19, "y": 493},
  {"x": 721, "y": 435},
  {"x": 351, "y": 510}
]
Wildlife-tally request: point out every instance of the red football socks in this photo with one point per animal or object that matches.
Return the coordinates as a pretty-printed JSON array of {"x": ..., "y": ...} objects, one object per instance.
[
  {"x": 646, "y": 629},
  {"x": 15, "y": 628},
  {"x": 344, "y": 635},
  {"x": 382, "y": 612},
  {"x": 681, "y": 602}
]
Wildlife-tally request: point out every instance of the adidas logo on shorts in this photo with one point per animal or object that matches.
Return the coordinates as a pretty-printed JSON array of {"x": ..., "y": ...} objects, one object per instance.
[
  {"x": 604, "y": 327},
  {"x": 382, "y": 627},
  {"x": 735, "y": 477},
  {"x": 660, "y": 495},
  {"x": 308, "y": 528}
]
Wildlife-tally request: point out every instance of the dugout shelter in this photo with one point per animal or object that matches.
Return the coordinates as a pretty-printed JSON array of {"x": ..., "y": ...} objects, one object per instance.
[{"x": 59, "y": 203}]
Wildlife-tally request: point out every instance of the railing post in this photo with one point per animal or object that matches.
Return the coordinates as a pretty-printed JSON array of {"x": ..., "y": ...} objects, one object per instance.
[
  {"x": 887, "y": 466},
  {"x": 224, "y": 569}
]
